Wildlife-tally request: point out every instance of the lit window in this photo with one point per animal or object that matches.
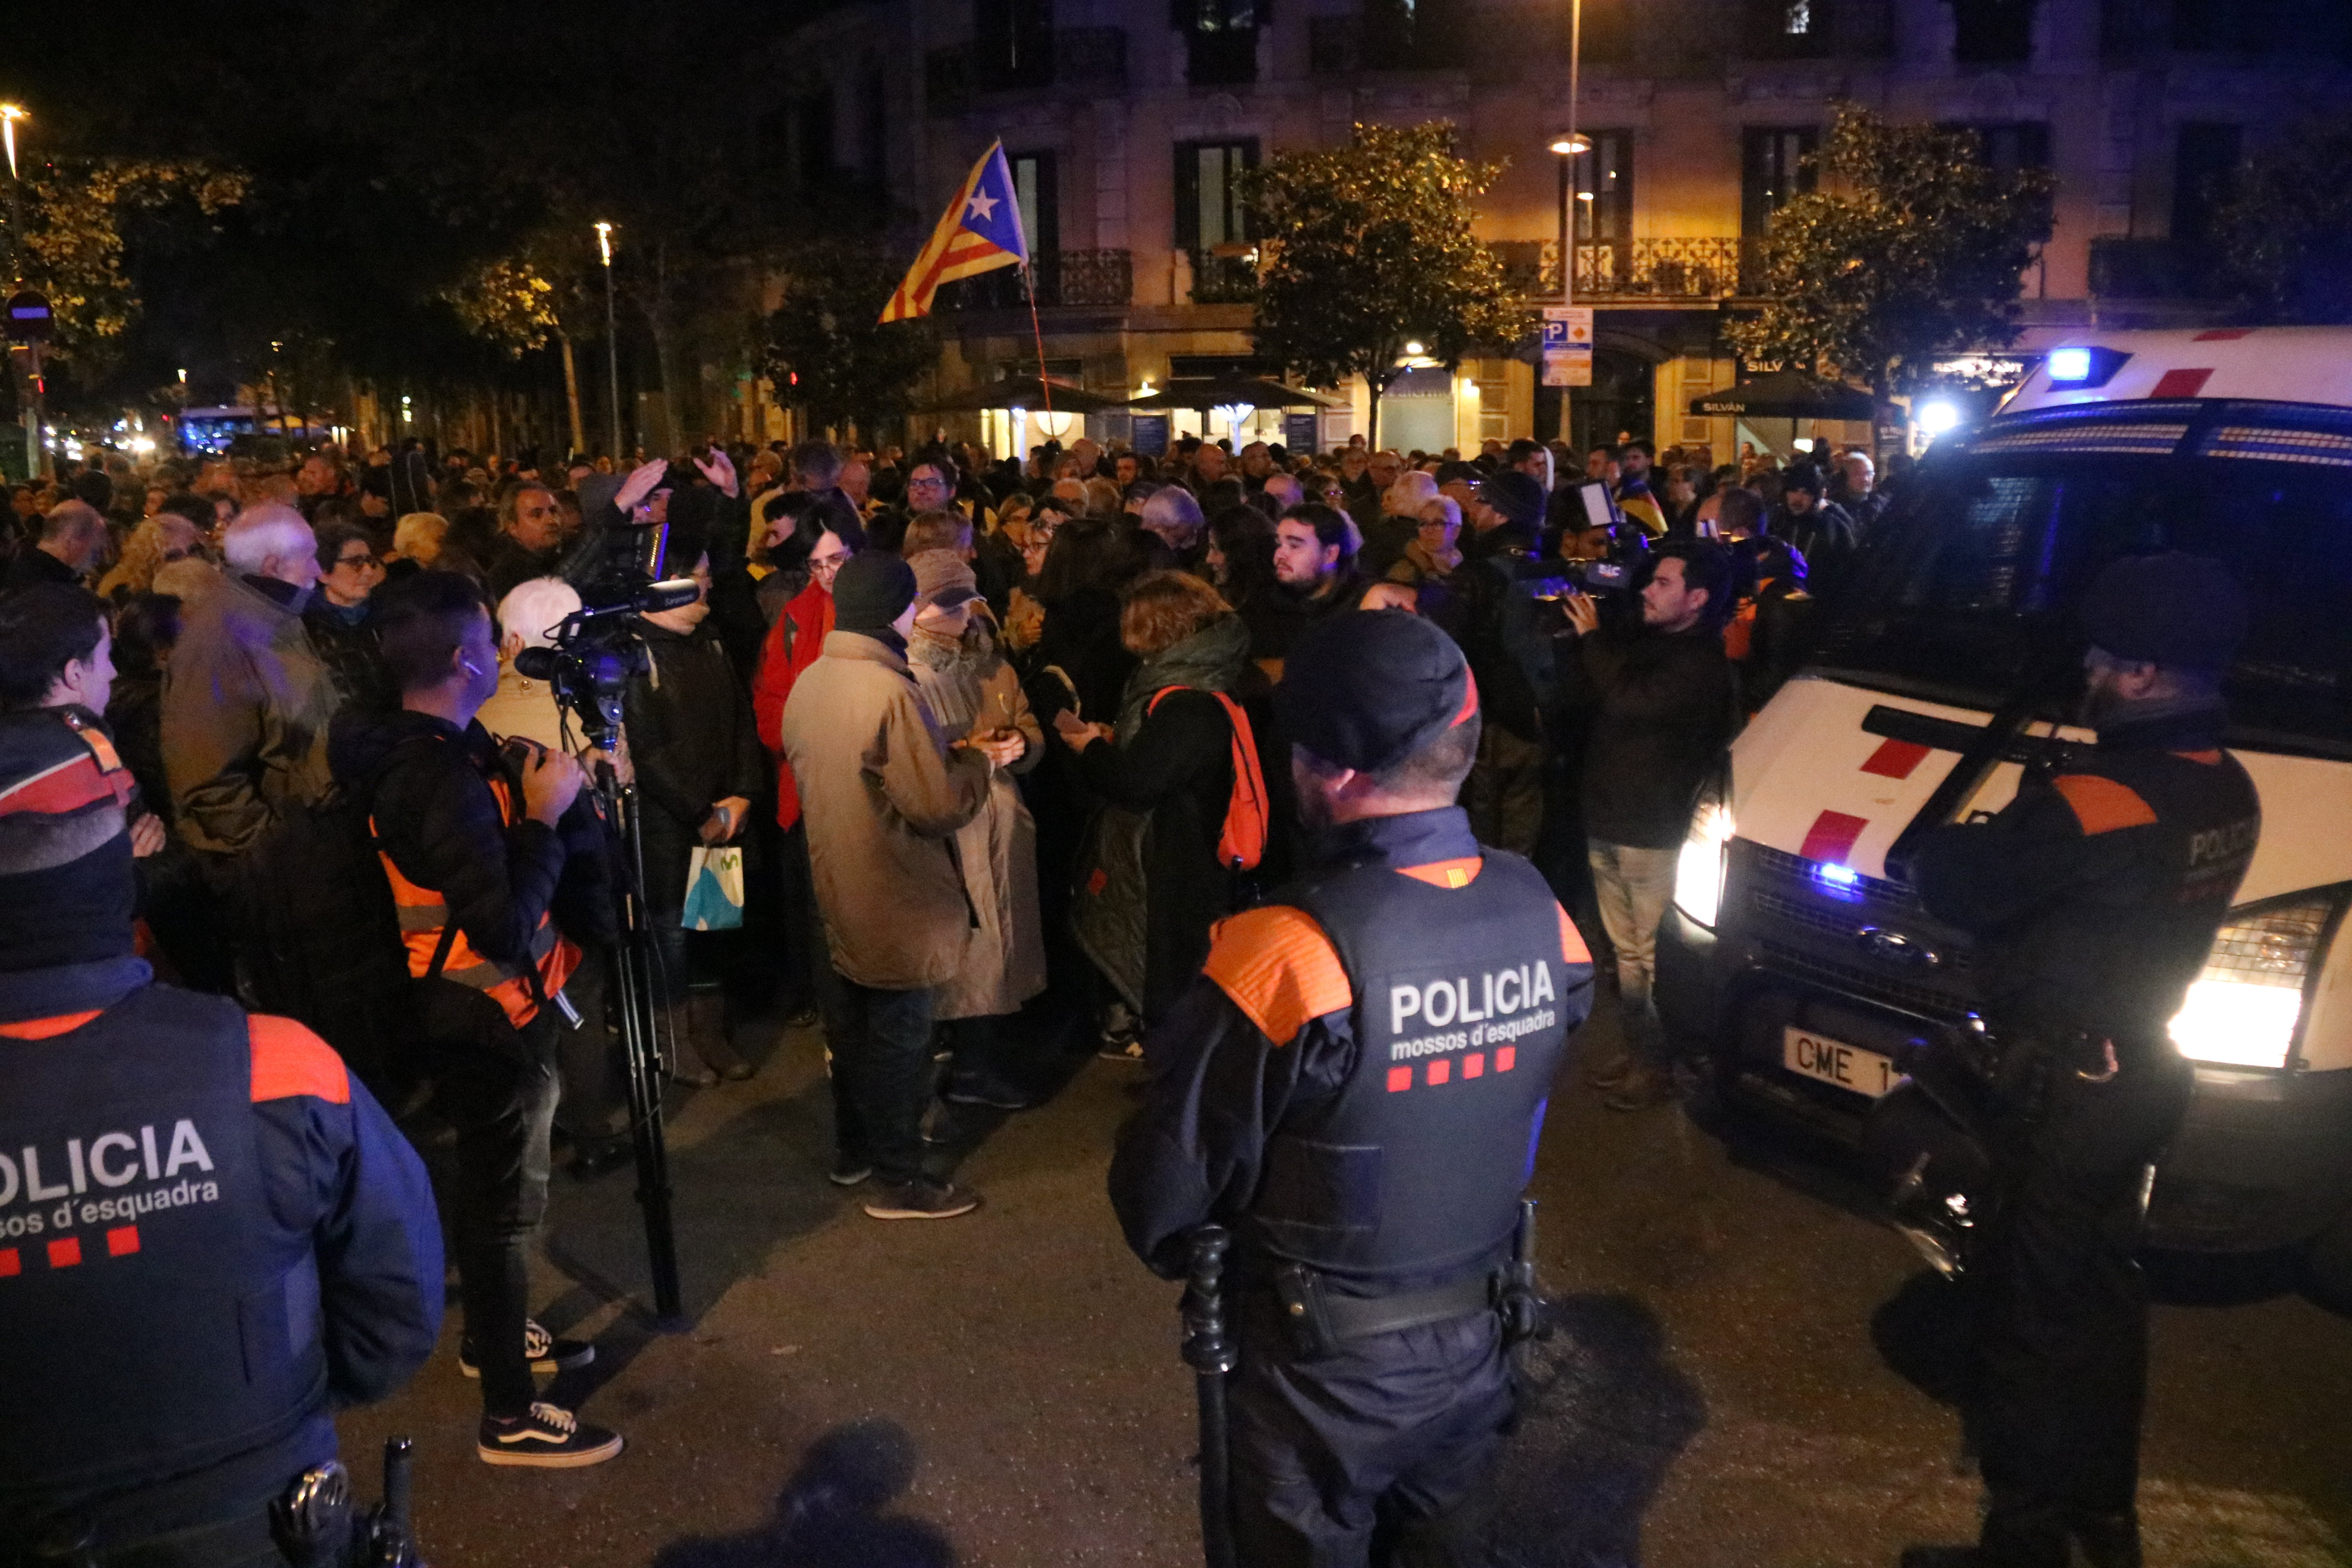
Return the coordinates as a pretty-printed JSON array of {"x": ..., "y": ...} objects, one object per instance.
[{"x": 1797, "y": 20}]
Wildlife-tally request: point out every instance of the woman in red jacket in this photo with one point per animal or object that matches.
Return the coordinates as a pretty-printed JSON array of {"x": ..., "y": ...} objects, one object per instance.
[{"x": 830, "y": 528}]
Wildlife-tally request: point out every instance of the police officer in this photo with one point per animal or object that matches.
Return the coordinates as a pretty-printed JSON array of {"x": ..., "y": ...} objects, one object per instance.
[
  {"x": 209, "y": 1232},
  {"x": 2094, "y": 897},
  {"x": 1354, "y": 1085}
]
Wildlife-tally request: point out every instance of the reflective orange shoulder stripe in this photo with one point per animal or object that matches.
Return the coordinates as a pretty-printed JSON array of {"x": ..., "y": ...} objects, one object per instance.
[
  {"x": 2102, "y": 805},
  {"x": 290, "y": 1060},
  {"x": 1279, "y": 969}
]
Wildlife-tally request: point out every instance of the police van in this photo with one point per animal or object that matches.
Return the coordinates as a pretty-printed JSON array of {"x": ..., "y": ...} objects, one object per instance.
[{"x": 1795, "y": 946}]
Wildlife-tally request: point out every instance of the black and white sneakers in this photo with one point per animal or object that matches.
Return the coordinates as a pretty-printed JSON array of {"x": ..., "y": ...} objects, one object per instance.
[
  {"x": 548, "y": 1354},
  {"x": 549, "y": 1438}
]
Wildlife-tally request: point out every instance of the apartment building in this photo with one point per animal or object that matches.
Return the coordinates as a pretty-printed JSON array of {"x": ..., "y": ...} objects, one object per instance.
[{"x": 1126, "y": 120}]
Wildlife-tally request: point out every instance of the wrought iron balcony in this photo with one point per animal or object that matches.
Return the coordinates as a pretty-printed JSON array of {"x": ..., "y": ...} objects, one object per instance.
[
  {"x": 1098, "y": 278},
  {"x": 1705, "y": 268},
  {"x": 1223, "y": 279}
]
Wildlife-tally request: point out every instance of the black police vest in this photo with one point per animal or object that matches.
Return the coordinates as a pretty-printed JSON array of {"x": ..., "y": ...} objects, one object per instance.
[
  {"x": 155, "y": 1319},
  {"x": 1410, "y": 1175}
]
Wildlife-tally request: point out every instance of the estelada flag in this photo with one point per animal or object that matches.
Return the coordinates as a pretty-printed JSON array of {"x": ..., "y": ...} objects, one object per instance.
[{"x": 979, "y": 232}]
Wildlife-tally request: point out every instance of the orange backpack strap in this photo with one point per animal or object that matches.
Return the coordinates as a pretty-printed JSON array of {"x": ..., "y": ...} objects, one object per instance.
[{"x": 1242, "y": 842}]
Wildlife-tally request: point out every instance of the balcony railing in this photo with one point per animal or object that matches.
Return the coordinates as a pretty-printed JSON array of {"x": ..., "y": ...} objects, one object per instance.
[
  {"x": 1222, "y": 279},
  {"x": 1708, "y": 268},
  {"x": 1099, "y": 279},
  {"x": 1090, "y": 59}
]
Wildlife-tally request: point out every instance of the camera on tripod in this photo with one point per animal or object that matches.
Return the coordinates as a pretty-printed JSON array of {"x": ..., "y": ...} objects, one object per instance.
[{"x": 617, "y": 571}]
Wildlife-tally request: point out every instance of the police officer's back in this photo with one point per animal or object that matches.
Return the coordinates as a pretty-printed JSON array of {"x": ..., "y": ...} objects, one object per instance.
[
  {"x": 1355, "y": 1087},
  {"x": 209, "y": 1232},
  {"x": 2094, "y": 897}
]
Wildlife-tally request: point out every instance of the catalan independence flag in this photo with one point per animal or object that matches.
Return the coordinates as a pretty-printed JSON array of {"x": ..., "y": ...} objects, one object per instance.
[{"x": 979, "y": 232}]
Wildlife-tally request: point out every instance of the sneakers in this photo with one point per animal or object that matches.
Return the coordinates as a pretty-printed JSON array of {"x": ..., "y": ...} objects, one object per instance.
[
  {"x": 547, "y": 1354},
  {"x": 1122, "y": 1038},
  {"x": 848, "y": 1173},
  {"x": 922, "y": 1200},
  {"x": 551, "y": 1438}
]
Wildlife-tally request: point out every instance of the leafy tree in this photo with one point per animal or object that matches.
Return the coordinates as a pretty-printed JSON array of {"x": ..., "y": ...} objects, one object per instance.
[
  {"x": 1917, "y": 249},
  {"x": 74, "y": 213},
  {"x": 2282, "y": 231},
  {"x": 828, "y": 352},
  {"x": 1367, "y": 246}
]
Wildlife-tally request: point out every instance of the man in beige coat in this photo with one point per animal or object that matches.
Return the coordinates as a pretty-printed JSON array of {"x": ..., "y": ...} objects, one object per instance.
[{"x": 883, "y": 794}]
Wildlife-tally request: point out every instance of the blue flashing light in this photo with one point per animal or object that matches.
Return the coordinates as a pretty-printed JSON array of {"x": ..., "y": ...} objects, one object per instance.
[
  {"x": 1838, "y": 881},
  {"x": 2070, "y": 365}
]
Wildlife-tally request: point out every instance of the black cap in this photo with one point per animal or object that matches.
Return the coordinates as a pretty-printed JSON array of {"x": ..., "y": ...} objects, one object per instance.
[
  {"x": 2175, "y": 609},
  {"x": 872, "y": 589},
  {"x": 1516, "y": 495},
  {"x": 1367, "y": 689}
]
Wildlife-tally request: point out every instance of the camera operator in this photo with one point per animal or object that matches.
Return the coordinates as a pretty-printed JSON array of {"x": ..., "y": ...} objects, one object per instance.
[
  {"x": 178, "y": 1176},
  {"x": 1661, "y": 697},
  {"x": 498, "y": 868}
]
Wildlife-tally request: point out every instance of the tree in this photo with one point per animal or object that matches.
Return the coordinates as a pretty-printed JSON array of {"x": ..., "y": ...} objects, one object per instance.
[
  {"x": 1917, "y": 248},
  {"x": 828, "y": 352},
  {"x": 1367, "y": 246},
  {"x": 76, "y": 212},
  {"x": 2282, "y": 230}
]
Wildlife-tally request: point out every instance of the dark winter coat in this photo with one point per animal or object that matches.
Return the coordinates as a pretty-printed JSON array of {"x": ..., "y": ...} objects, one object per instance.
[
  {"x": 1662, "y": 712},
  {"x": 692, "y": 743}
]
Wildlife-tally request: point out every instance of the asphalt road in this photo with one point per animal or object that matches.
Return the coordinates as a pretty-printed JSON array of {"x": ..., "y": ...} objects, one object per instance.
[{"x": 1002, "y": 1391}]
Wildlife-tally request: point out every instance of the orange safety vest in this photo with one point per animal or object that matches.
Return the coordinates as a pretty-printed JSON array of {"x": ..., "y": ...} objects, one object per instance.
[
  {"x": 434, "y": 943},
  {"x": 1241, "y": 845}
]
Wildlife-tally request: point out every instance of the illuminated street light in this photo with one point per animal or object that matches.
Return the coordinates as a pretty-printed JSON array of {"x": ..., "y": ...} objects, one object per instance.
[
  {"x": 611, "y": 334},
  {"x": 9, "y": 114},
  {"x": 1565, "y": 145}
]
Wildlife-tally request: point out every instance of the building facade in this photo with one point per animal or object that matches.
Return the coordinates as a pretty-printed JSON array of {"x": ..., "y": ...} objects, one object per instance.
[{"x": 1125, "y": 121}]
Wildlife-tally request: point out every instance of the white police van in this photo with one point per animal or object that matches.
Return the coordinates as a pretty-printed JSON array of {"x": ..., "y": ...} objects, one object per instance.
[{"x": 1795, "y": 946}]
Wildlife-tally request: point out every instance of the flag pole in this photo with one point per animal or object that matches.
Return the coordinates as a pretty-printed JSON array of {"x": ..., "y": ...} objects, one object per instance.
[{"x": 1037, "y": 331}]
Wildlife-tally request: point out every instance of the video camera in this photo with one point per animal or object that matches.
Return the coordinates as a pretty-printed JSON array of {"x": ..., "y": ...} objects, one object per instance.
[{"x": 618, "y": 569}]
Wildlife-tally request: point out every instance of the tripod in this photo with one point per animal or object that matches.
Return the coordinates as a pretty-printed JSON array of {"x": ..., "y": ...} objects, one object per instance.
[{"x": 633, "y": 965}]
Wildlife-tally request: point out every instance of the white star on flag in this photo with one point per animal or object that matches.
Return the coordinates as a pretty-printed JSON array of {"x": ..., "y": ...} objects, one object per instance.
[{"x": 981, "y": 206}]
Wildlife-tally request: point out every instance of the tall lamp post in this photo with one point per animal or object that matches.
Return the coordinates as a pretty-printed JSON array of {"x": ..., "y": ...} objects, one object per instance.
[
  {"x": 34, "y": 455},
  {"x": 612, "y": 338},
  {"x": 1570, "y": 147}
]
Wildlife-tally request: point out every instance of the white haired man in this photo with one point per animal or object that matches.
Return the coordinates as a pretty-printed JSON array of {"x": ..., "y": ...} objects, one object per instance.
[
  {"x": 246, "y": 697},
  {"x": 1172, "y": 516}
]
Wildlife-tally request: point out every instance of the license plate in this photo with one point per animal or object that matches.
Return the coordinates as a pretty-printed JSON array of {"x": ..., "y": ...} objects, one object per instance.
[{"x": 1833, "y": 1061}]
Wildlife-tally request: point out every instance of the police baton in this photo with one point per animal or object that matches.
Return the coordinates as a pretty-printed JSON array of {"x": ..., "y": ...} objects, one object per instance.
[{"x": 1210, "y": 1353}]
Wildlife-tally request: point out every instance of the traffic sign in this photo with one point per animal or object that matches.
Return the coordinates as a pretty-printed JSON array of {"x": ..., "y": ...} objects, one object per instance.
[
  {"x": 28, "y": 317},
  {"x": 1567, "y": 345}
]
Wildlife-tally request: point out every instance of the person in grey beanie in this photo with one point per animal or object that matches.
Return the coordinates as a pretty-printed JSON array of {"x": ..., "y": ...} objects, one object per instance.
[{"x": 883, "y": 793}]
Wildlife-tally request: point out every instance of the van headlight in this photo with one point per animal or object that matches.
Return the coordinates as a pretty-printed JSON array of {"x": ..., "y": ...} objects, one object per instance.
[
  {"x": 1698, "y": 871},
  {"x": 2243, "y": 1008}
]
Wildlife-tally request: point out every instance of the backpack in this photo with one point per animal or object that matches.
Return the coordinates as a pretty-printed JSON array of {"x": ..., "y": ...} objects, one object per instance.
[
  {"x": 320, "y": 935},
  {"x": 1242, "y": 844}
]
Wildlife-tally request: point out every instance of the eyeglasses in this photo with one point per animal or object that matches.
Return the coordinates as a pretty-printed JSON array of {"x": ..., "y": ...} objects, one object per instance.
[
  {"x": 364, "y": 562},
  {"x": 826, "y": 566}
]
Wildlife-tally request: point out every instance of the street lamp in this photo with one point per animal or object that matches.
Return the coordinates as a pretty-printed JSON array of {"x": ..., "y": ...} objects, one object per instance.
[
  {"x": 1570, "y": 147},
  {"x": 35, "y": 457},
  {"x": 612, "y": 336}
]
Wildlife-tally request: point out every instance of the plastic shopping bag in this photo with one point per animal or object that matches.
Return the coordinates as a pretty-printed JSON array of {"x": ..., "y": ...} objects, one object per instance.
[{"x": 714, "y": 888}]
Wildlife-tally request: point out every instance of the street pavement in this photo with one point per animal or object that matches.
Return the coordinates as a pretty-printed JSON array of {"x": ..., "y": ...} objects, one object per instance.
[{"x": 1002, "y": 1391}]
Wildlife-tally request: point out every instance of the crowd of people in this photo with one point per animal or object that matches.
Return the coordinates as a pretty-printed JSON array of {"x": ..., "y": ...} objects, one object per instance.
[{"x": 996, "y": 743}]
